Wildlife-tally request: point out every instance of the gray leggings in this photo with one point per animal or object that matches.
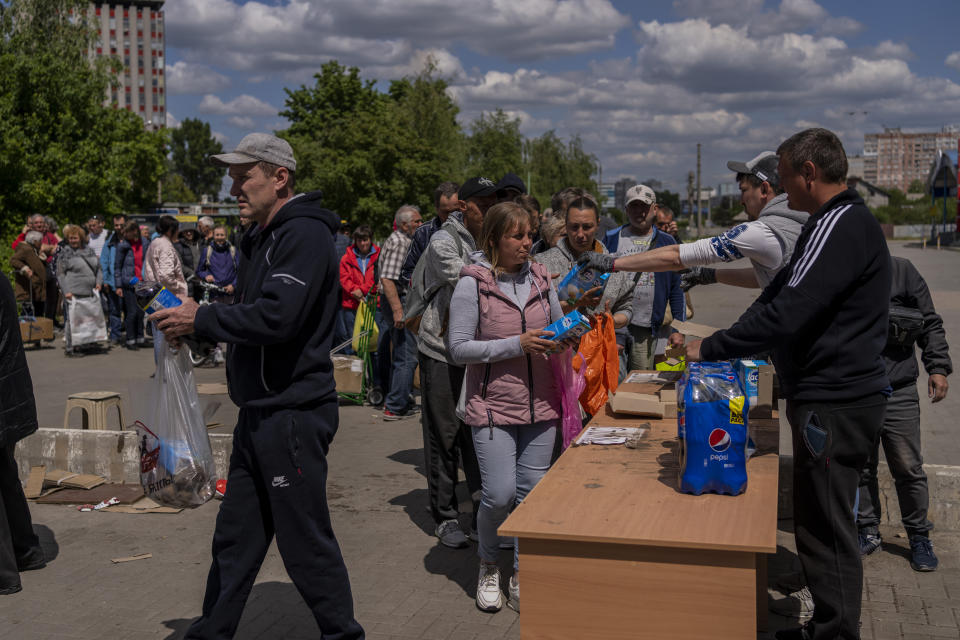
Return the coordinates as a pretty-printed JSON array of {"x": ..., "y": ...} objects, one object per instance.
[{"x": 512, "y": 460}]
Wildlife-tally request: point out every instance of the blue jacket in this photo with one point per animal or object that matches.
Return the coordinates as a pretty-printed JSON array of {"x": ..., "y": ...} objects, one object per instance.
[
  {"x": 281, "y": 325},
  {"x": 107, "y": 257},
  {"x": 666, "y": 284},
  {"x": 123, "y": 266},
  {"x": 222, "y": 264}
]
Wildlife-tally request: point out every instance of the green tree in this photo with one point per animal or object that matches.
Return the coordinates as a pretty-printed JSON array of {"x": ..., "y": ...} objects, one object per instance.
[
  {"x": 175, "y": 189},
  {"x": 552, "y": 165},
  {"x": 190, "y": 146},
  {"x": 495, "y": 146},
  {"x": 917, "y": 186},
  {"x": 63, "y": 153}
]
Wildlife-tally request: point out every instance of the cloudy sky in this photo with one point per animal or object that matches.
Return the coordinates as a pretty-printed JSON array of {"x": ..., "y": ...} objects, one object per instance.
[{"x": 641, "y": 82}]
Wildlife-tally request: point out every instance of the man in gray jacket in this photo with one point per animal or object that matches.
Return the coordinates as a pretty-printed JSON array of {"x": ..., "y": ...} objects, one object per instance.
[
  {"x": 767, "y": 240},
  {"x": 444, "y": 435}
]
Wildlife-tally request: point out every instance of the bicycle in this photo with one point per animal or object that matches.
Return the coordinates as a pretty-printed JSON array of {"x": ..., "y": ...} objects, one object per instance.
[{"x": 206, "y": 352}]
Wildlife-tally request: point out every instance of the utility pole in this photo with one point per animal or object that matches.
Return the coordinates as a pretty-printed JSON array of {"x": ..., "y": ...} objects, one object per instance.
[{"x": 698, "y": 190}]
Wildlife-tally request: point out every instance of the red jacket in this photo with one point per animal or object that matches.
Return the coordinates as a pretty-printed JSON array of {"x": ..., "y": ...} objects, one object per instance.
[{"x": 351, "y": 278}]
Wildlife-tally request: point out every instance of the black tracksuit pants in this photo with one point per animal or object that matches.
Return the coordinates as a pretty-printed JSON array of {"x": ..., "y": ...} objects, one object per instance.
[
  {"x": 277, "y": 484},
  {"x": 444, "y": 436},
  {"x": 17, "y": 539},
  {"x": 831, "y": 444}
]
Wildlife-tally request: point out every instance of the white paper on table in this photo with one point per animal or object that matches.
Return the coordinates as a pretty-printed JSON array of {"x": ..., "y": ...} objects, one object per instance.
[{"x": 608, "y": 435}]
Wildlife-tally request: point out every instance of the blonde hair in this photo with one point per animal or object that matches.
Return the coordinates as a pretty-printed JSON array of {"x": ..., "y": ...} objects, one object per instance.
[
  {"x": 499, "y": 220},
  {"x": 71, "y": 229},
  {"x": 551, "y": 229}
]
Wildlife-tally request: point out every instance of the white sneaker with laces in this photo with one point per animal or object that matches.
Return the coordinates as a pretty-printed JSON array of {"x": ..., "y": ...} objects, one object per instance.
[
  {"x": 513, "y": 594},
  {"x": 489, "y": 597},
  {"x": 798, "y": 604}
]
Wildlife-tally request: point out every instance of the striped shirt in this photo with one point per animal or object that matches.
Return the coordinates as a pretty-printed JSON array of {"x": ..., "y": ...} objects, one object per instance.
[{"x": 392, "y": 254}]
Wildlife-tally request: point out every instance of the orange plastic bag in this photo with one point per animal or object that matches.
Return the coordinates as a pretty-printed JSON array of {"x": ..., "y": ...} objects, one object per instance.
[{"x": 598, "y": 348}]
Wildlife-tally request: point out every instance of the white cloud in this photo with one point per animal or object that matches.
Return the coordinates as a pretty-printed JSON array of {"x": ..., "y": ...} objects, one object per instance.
[
  {"x": 953, "y": 60},
  {"x": 171, "y": 122},
  {"x": 791, "y": 16},
  {"x": 242, "y": 105},
  {"x": 220, "y": 137},
  {"x": 522, "y": 87},
  {"x": 241, "y": 122},
  {"x": 185, "y": 78},
  {"x": 296, "y": 34},
  {"x": 888, "y": 49}
]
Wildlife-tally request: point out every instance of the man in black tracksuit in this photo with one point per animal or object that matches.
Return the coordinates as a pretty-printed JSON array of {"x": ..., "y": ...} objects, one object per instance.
[
  {"x": 825, "y": 318},
  {"x": 901, "y": 428},
  {"x": 280, "y": 374}
]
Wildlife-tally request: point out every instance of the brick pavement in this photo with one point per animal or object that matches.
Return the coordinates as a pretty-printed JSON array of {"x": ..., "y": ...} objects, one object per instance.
[{"x": 405, "y": 586}]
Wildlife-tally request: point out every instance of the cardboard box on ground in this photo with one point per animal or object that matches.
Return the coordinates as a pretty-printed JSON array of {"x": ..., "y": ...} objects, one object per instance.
[
  {"x": 36, "y": 329},
  {"x": 348, "y": 374}
]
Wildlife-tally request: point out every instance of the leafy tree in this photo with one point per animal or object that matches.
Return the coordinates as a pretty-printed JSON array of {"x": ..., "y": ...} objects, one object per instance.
[
  {"x": 553, "y": 165},
  {"x": 670, "y": 199},
  {"x": 62, "y": 153},
  {"x": 175, "y": 189},
  {"x": 190, "y": 146},
  {"x": 917, "y": 186},
  {"x": 495, "y": 146}
]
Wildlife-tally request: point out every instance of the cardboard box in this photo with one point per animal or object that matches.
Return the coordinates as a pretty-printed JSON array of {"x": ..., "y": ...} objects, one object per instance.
[
  {"x": 36, "y": 329},
  {"x": 348, "y": 374},
  {"x": 693, "y": 329},
  {"x": 766, "y": 392},
  {"x": 647, "y": 393}
]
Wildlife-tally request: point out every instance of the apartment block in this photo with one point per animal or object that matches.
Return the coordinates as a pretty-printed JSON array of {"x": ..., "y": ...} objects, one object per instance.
[
  {"x": 134, "y": 33},
  {"x": 894, "y": 158}
]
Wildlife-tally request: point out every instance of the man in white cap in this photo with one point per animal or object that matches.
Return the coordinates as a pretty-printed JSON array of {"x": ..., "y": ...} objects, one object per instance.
[
  {"x": 767, "y": 240},
  {"x": 652, "y": 292},
  {"x": 280, "y": 375}
]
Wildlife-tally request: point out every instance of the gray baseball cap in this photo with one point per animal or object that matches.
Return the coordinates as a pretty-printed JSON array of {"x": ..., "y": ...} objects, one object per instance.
[
  {"x": 257, "y": 147},
  {"x": 763, "y": 166}
]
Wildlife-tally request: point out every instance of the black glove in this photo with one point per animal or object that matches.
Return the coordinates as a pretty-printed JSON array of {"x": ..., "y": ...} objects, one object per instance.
[
  {"x": 697, "y": 275},
  {"x": 597, "y": 261}
]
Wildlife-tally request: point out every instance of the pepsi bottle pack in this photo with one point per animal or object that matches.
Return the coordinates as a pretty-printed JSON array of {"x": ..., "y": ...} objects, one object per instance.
[{"x": 712, "y": 429}]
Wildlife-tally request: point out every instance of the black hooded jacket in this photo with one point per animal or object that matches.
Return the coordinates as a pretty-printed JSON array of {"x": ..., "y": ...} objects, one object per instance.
[
  {"x": 18, "y": 409},
  {"x": 910, "y": 290},
  {"x": 280, "y": 328},
  {"x": 825, "y": 314}
]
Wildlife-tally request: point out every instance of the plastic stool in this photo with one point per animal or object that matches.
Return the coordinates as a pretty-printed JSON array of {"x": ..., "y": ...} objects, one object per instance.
[{"x": 93, "y": 407}]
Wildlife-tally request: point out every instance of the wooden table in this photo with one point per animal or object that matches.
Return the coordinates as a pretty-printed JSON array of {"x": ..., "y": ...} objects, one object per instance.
[{"x": 609, "y": 548}]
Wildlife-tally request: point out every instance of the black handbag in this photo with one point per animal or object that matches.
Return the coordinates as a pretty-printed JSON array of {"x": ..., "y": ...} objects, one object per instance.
[{"x": 905, "y": 326}]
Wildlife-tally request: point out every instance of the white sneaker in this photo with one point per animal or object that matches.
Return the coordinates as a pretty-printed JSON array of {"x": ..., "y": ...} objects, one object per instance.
[
  {"x": 489, "y": 597},
  {"x": 798, "y": 604},
  {"x": 513, "y": 593}
]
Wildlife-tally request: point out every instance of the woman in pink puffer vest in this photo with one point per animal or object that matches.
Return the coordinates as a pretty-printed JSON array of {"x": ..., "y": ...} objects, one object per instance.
[{"x": 512, "y": 401}]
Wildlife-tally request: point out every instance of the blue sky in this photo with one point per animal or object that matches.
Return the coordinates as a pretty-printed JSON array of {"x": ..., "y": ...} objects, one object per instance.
[{"x": 641, "y": 82}]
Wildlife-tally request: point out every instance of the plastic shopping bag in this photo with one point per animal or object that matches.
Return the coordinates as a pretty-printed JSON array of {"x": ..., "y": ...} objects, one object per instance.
[
  {"x": 600, "y": 364},
  {"x": 365, "y": 322},
  {"x": 86, "y": 321},
  {"x": 176, "y": 462},
  {"x": 570, "y": 383}
]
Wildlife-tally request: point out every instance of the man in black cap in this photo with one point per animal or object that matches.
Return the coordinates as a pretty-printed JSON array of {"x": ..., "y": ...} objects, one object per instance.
[
  {"x": 444, "y": 435},
  {"x": 280, "y": 374},
  {"x": 509, "y": 187},
  {"x": 767, "y": 240}
]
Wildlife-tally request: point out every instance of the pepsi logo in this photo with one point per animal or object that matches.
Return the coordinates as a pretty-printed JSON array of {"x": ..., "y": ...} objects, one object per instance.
[{"x": 719, "y": 440}]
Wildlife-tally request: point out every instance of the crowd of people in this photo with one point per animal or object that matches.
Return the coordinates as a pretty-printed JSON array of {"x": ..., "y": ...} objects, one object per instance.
[
  {"x": 466, "y": 295},
  {"x": 54, "y": 269}
]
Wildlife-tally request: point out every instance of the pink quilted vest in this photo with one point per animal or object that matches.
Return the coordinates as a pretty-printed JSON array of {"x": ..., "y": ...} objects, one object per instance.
[{"x": 520, "y": 390}]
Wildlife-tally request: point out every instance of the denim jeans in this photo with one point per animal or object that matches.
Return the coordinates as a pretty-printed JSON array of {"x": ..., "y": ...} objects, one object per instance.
[
  {"x": 512, "y": 460},
  {"x": 115, "y": 311},
  {"x": 344, "y": 329},
  {"x": 900, "y": 437},
  {"x": 134, "y": 316},
  {"x": 404, "y": 364}
]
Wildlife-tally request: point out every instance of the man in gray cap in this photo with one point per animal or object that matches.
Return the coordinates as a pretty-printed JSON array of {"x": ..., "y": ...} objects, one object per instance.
[
  {"x": 280, "y": 375},
  {"x": 767, "y": 240}
]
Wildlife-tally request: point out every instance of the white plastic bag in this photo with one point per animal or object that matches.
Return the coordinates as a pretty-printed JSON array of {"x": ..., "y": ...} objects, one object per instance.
[
  {"x": 176, "y": 463},
  {"x": 87, "y": 323}
]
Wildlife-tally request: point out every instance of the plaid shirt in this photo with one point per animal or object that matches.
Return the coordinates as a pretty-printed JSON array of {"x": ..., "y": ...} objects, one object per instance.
[{"x": 392, "y": 254}]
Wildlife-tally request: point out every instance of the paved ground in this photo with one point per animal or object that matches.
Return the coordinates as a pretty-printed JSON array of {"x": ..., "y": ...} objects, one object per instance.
[{"x": 405, "y": 586}]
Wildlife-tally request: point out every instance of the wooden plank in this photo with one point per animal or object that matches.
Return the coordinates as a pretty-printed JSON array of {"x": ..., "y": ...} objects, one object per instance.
[
  {"x": 573, "y": 591},
  {"x": 616, "y": 495}
]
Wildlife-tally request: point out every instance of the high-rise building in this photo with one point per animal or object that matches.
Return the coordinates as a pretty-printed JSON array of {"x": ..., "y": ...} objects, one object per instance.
[
  {"x": 133, "y": 31},
  {"x": 895, "y": 159}
]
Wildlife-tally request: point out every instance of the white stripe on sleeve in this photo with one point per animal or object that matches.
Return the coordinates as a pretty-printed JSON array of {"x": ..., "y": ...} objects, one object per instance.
[{"x": 817, "y": 241}]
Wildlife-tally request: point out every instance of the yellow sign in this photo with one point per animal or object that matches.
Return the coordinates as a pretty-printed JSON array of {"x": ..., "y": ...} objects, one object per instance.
[
  {"x": 186, "y": 218},
  {"x": 736, "y": 410}
]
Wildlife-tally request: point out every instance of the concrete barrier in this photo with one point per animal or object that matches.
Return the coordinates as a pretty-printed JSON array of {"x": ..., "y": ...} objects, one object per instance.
[
  {"x": 115, "y": 455},
  {"x": 943, "y": 482}
]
